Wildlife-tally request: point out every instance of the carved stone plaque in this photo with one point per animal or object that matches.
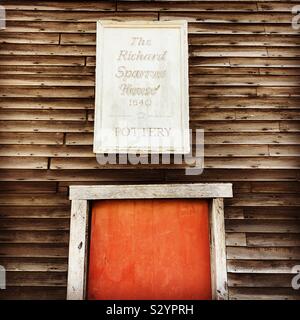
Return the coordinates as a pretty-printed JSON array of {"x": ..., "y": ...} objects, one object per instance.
[{"x": 142, "y": 87}]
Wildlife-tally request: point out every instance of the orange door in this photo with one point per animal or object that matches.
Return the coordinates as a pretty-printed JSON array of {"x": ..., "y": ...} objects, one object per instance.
[{"x": 149, "y": 249}]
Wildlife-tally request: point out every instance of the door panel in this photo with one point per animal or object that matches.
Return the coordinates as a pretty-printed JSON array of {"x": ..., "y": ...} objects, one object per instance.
[{"x": 149, "y": 249}]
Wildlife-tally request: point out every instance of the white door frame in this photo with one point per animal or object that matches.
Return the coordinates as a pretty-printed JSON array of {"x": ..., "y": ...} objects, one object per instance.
[{"x": 80, "y": 197}]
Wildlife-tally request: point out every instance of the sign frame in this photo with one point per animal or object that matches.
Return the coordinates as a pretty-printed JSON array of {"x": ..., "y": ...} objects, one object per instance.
[{"x": 183, "y": 130}]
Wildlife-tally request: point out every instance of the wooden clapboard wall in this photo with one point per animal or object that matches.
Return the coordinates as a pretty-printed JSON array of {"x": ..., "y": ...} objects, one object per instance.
[{"x": 244, "y": 91}]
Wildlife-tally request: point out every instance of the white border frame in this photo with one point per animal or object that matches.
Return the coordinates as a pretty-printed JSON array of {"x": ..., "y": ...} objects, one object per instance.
[
  {"x": 78, "y": 246},
  {"x": 177, "y": 24}
]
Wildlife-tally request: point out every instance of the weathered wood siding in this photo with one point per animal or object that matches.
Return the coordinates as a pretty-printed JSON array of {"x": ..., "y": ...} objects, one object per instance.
[{"x": 244, "y": 91}]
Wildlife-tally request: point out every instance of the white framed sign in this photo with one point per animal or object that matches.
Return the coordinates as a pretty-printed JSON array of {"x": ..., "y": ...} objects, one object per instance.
[{"x": 142, "y": 102}]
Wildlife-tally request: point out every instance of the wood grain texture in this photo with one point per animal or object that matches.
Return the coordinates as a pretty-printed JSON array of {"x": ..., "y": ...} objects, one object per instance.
[
  {"x": 195, "y": 190},
  {"x": 78, "y": 250},
  {"x": 244, "y": 59},
  {"x": 218, "y": 249}
]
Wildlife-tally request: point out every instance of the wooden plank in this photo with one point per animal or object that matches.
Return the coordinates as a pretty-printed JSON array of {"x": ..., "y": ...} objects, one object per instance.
[
  {"x": 221, "y": 51},
  {"x": 35, "y": 49},
  {"x": 37, "y": 279},
  {"x": 229, "y": 17},
  {"x": 233, "y": 212},
  {"x": 76, "y": 16},
  {"x": 209, "y": 62},
  {"x": 236, "y": 175},
  {"x": 218, "y": 250},
  {"x": 263, "y": 226},
  {"x": 257, "y": 115},
  {"x": 90, "y": 61},
  {"x": 254, "y": 266},
  {"x": 283, "y": 52},
  {"x": 51, "y": 92},
  {"x": 49, "y": 80},
  {"x": 33, "y": 293},
  {"x": 268, "y": 62},
  {"x": 71, "y": 115},
  {"x": 27, "y": 187},
  {"x": 279, "y": 253},
  {"x": 35, "y": 236},
  {"x": 255, "y": 138},
  {"x": 139, "y": 163},
  {"x": 32, "y": 38},
  {"x": 77, "y": 264},
  {"x": 265, "y": 115},
  {"x": 210, "y": 91},
  {"x": 236, "y": 126},
  {"x": 58, "y": 5},
  {"x": 280, "y": 29},
  {"x": 42, "y": 61},
  {"x": 79, "y": 139},
  {"x": 46, "y": 151},
  {"x": 199, "y": 70},
  {"x": 288, "y": 200},
  {"x": 47, "y": 70},
  {"x": 34, "y": 224},
  {"x": 34, "y": 264},
  {"x": 233, "y": 70},
  {"x": 33, "y": 200},
  {"x": 34, "y": 212},
  {"x": 57, "y": 127},
  {"x": 229, "y": 28},
  {"x": 276, "y": 6},
  {"x": 23, "y": 163},
  {"x": 241, "y": 80},
  {"x": 254, "y": 163},
  {"x": 279, "y": 71},
  {"x": 50, "y": 27},
  {"x": 275, "y": 187},
  {"x": 44, "y": 103},
  {"x": 260, "y": 280},
  {"x": 40, "y": 250},
  {"x": 286, "y": 213},
  {"x": 151, "y": 191},
  {"x": 285, "y": 151},
  {"x": 263, "y": 294},
  {"x": 235, "y": 150},
  {"x": 31, "y": 138},
  {"x": 225, "y": 114},
  {"x": 60, "y": 163},
  {"x": 86, "y": 175},
  {"x": 242, "y": 187},
  {"x": 277, "y": 91},
  {"x": 236, "y": 239},
  {"x": 292, "y": 126},
  {"x": 280, "y": 240},
  {"x": 78, "y": 39},
  {"x": 184, "y": 6},
  {"x": 127, "y": 175}
]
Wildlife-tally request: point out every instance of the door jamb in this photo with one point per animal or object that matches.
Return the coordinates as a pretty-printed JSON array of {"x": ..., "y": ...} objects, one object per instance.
[{"x": 81, "y": 196}]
